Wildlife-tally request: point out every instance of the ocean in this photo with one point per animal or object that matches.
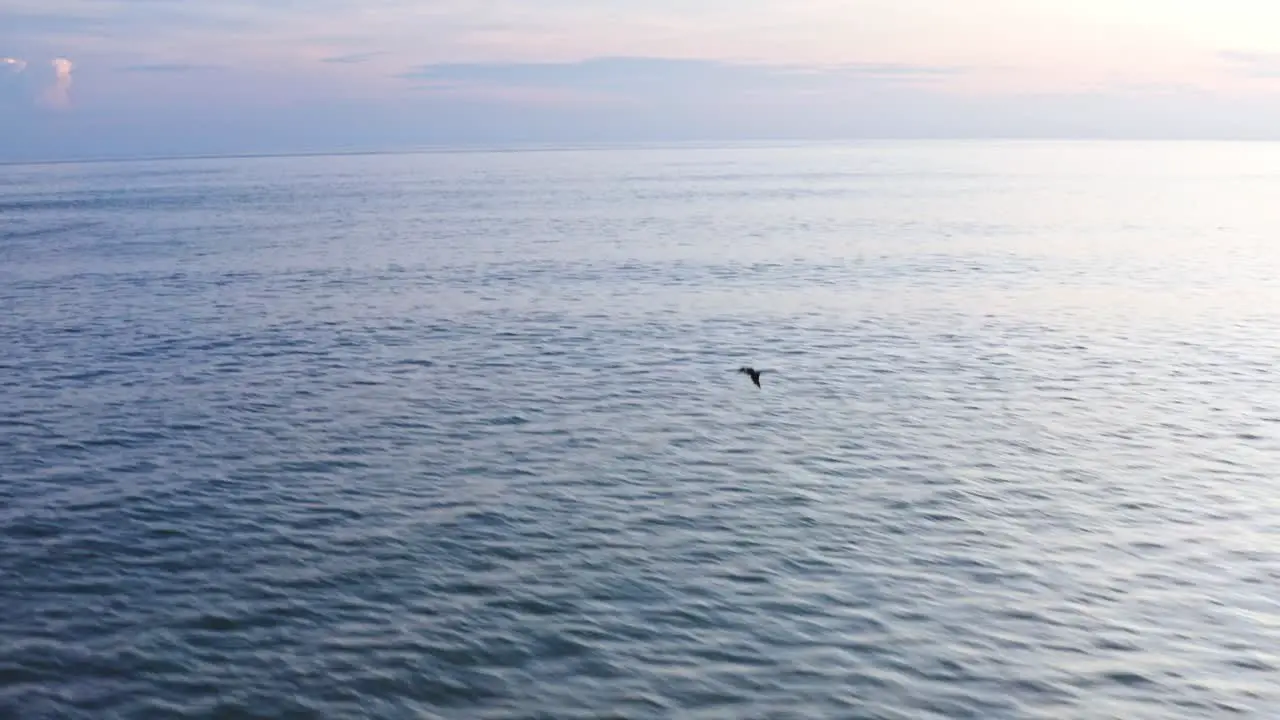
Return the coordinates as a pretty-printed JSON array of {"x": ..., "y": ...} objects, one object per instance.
[{"x": 459, "y": 434}]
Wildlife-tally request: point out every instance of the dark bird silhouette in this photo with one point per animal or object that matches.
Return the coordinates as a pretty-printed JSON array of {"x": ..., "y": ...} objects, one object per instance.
[{"x": 753, "y": 373}]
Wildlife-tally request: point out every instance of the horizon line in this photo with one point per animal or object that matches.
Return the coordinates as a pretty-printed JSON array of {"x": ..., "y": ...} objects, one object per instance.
[{"x": 575, "y": 146}]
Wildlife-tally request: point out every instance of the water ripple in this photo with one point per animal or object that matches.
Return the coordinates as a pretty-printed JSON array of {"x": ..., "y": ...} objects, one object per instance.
[{"x": 317, "y": 438}]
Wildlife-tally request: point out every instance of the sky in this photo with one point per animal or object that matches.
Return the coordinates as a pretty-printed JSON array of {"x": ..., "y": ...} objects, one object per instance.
[{"x": 111, "y": 78}]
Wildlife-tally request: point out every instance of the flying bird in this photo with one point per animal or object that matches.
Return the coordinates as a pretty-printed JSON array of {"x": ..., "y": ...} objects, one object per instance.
[{"x": 753, "y": 373}]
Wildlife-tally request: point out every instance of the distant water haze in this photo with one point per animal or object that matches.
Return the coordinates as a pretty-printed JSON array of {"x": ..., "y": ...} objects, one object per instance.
[{"x": 460, "y": 434}]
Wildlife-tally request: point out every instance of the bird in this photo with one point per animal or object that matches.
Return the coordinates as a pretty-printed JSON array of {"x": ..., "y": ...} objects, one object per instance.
[{"x": 753, "y": 373}]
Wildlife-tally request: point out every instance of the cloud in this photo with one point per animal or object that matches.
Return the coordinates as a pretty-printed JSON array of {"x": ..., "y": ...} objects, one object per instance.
[
  {"x": 680, "y": 98},
  {"x": 598, "y": 73},
  {"x": 17, "y": 88},
  {"x": 900, "y": 71},
  {"x": 59, "y": 94},
  {"x": 352, "y": 58},
  {"x": 673, "y": 78},
  {"x": 170, "y": 68},
  {"x": 1251, "y": 64},
  {"x": 119, "y": 19},
  {"x": 526, "y": 97},
  {"x": 19, "y": 23}
]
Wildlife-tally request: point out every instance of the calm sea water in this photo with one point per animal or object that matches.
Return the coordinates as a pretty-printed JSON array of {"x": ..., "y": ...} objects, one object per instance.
[{"x": 458, "y": 436}]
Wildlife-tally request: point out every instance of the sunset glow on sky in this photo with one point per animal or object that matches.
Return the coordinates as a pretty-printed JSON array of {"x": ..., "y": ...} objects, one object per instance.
[{"x": 128, "y": 75}]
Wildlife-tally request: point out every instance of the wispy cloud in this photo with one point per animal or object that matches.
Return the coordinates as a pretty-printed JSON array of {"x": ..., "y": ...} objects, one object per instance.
[
  {"x": 674, "y": 76},
  {"x": 900, "y": 71},
  {"x": 170, "y": 68},
  {"x": 353, "y": 58},
  {"x": 118, "y": 19},
  {"x": 16, "y": 65},
  {"x": 44, "y": 24},
  {"x": 601, "y": 72}
]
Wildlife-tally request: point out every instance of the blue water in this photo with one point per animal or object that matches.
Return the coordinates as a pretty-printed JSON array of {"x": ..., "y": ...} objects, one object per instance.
[{"x": 456, "y": 435}]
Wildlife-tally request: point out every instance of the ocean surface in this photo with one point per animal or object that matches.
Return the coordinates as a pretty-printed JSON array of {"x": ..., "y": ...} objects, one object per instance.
[{"x": 458, "y": 435}]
